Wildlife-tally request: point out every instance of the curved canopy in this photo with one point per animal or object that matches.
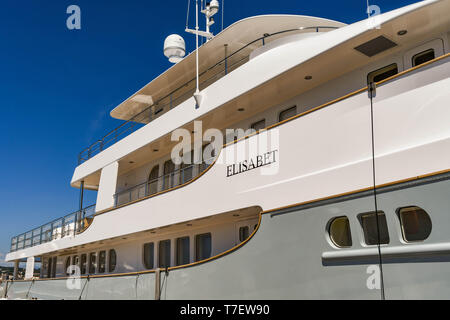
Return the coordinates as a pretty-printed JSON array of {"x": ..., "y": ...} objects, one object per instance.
[{"x": 240, "y": 34}]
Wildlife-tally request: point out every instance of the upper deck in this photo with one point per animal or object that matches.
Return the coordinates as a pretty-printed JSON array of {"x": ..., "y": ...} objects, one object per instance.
[{"x": 226, "y": 52}]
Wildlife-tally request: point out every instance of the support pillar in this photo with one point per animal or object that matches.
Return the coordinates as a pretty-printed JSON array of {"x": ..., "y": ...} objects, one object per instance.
[
  {"x": 107, "y": 187},
  {"x": 29, "y": 271},
  {"x": 16, "y": 269}
]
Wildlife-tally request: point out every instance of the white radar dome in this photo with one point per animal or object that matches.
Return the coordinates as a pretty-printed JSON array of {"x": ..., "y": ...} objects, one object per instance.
[{"x": 174, "y": 48}]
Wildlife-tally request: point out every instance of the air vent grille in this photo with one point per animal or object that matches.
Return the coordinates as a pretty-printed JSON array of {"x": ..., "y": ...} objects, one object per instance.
[{"x": 376, "y": 46}]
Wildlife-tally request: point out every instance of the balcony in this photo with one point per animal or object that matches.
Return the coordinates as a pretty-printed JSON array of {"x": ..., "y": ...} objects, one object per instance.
[
  {"x": 160, "y": 184},
  {"x": 69, "y": 225}
]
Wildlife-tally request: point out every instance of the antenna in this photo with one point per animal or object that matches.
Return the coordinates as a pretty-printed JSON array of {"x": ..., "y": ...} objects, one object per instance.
[{"x": 209, "y": 11}]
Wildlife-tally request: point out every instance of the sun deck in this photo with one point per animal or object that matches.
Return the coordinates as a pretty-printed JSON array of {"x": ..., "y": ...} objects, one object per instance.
[{"x": 226, "y": 52}]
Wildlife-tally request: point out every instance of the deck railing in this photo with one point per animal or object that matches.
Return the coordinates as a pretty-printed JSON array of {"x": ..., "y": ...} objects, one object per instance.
[
  {"x": 66, "y": 226},
  {"x": 182, "y": 93},
  {"x": 162, "y": 183}
]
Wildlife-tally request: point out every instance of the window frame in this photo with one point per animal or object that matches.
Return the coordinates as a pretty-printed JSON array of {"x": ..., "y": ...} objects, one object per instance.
[
  {"x": 286, "y": 110},
  {"x": 364, "y": 238},
  {"x": 197, "y": 237},
  {"x": 381, "y": 71},
  {"x": 152, "y": 256},
  {"x": 177, "y": 257},
  {"x": 169, "y": 253},
  {"x": 402, "y": 229},
  {"x": 422, "y": 53},
  {"x": 253, "y": 125},
  {"x": 101, "y": 269},
  {"x": 111, "y": 268},
  {"x": 92, "y": 265},
  {"x": 332, "y": 239}
]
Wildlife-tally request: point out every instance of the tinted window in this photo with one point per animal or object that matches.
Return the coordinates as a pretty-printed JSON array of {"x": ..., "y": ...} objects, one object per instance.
[
  {"x": 259, "y": 125},
  {"x": 83, "y": 263},
  {"x": 183, "y": 256},
  {"x": 202, "y": 246},
  {"x": 243, "y": 233},
  {"x": 423, "y": 57},
  {"x": 149, "y": 255},
  {"x": 383, "y": 73},
  {"x": 289, "y": 113},
  {"x": 102, "y": 262},
  {"x": 92, "y": 262},
  {"x": 369, "y": 224},
  {"x": 164, "y": 254},
  {"x": 415, "y": 224},
  {"x": 112, "y": 260},
  {"x": 67, "y": 265},
  {"x": 340, "y": 232}
]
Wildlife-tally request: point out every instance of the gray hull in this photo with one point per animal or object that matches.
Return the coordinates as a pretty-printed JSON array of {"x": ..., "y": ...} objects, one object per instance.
[{"x": 289, "y": 257}]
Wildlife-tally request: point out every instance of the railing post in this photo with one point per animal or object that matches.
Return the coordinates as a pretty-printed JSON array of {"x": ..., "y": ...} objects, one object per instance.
[
  {"x": 51, "y": 231},
  {"x": 40, "y": 236},
  {"x": 63, "y": 227}
]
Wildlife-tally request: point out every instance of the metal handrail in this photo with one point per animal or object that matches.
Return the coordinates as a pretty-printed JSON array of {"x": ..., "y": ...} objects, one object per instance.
[
  {"x": 161, "y": 183},
  {"x": 69, "y": 225},
  {"x": 114, "y": 134}
]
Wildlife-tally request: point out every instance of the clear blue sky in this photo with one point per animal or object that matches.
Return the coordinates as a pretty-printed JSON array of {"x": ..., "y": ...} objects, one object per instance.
[{"x": 57, "y": 86}]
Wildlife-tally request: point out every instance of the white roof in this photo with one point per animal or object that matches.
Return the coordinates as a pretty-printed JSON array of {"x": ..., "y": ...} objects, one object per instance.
[{"x": 212, "y": 52}]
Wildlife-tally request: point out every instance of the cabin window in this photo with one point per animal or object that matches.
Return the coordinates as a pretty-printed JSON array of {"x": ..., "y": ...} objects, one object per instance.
[
  {"x": 49, "y": 268},
  {"x": 164, "y": 254},
  {"x": 112, "y": 262},
  {"x": 259, "y": 125},
  {"x": 83, "y": 263},
  {"x": 149, "y": 255},
  {"x": 153, "y": 181},
  {"x": 53, "y": 267},
  {"x": 243, "y": 233},
  {"x": 202, "y": 246},
  {"x": 67, "y": 265},
  {"x": 102, "y": 262},
  {"x": 183, "y": 256},
  {"x": 169, "y": 168},
  {"x": 92, "y": 262},
  {"x": 423, "y": 57},
  {"x": 369, "y": 224},
  {"x": 286, "y": 114},
  {"x": 186, "y": 169},
  {"x": 383, "y": 73},
  {"x": 415, "y": 224},
  {"x": 340, "y": 233},
  {"x": 75, "y": 260}
]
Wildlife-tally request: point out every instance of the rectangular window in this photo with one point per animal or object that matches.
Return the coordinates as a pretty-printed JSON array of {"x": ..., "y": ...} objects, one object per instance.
[
  {"x": 243, "y": 233},
  {"x": 369, "y": 224},
  {"x": 164, "y": 254},
  {"x": 149, "y": 255},
  {"x": 183, "y": 256},
  {"x": 416, "y": 224},
  {"x": 75, "y": 260},
  {"x": 54, "y": 267},
  {"x": 112, "y": 260},
  {"x": 423, "y": 57},
  {"x": 286, "y": 114},
  {"x": 202, "y": 246},
  {"x": 92, "y": 262},
  {"x": 383, "y": 73},
  {"x": 102, "y": 262},
  {"x": 83, "y": 263},
  {"x": 259, "y": 125}
]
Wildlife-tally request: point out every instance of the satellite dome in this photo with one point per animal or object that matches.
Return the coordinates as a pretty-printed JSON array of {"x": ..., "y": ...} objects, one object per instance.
[{"x": 174, "y": 48}]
